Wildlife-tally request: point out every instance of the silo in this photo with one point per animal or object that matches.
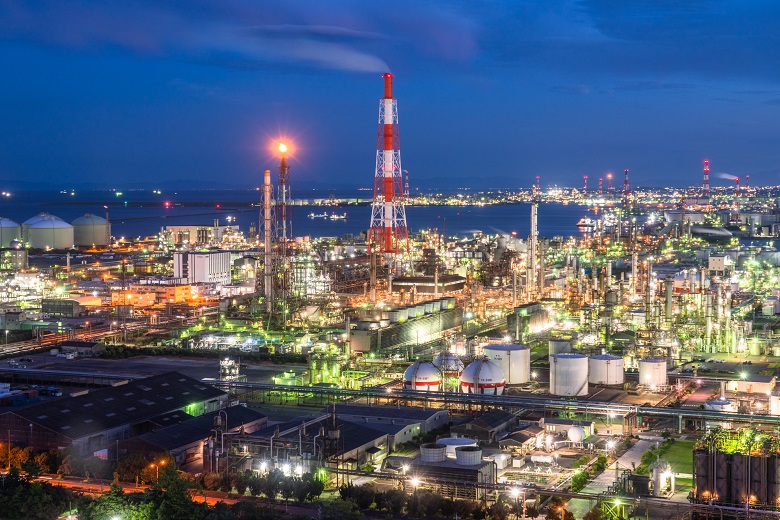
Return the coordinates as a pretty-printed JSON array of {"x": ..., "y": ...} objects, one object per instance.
[
  {"x": 433, "y": 452},
  {"x": 514, "y": 361},
  {"x": 652, "y": 372},
  {"x": 49, "y": 232},
  {"x": 422, "y": 375},
  {"x": 468, "y": 455},
  {"x": 606, "y": 369},
  {"x": 9, "y": 232},
  {"x": 90, "y": 230},
  {"x": 569, "y": 375},
  {"x": 482, "y": 377}
]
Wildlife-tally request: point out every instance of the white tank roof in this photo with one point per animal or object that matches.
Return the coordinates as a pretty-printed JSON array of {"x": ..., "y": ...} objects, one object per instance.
[
  {"x": 606, "y": 357},
  {"x": 448, "y": 363},
  {"x": 7, "y": 222},
  {"x": 39, "y": 217},
  {"x": 50, "y": 223},
  {"x": 88, "y": 219},
  {"x": 511, "y": 347}
]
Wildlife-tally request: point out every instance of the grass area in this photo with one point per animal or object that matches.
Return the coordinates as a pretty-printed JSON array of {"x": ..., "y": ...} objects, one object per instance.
[
  {"x": 683, "y": 485},
  {"x": 680, "y": 456}
]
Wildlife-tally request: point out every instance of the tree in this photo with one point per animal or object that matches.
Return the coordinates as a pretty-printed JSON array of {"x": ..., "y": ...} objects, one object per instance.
[
  {"x": 594, "y": 514},
  {"x": 272, "y": 483},
  {"x": 395, "y": 500},
  {"x": 131, "y": 467},
  {"x": 340, "y": 510}
]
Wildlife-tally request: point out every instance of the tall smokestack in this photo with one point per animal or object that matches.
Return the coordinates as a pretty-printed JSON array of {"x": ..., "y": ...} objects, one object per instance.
[
  {"x": 388, "y": 232},
  {"x": 706, "y": 183},
  {"x": 585, "y": 186},
  {"x": 267, "y": 241},
  {"x": 601, "y": 186}
]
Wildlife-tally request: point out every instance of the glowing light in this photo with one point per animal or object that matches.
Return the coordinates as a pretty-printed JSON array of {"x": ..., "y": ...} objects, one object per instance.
[
  {"x": 415, "y": 481},
  {"x": 282, "y": 148}
]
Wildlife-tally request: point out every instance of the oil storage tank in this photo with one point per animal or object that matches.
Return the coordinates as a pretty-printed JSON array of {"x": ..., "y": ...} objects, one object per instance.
[
  {"x": 569, "y": 374},
  {"x": 422, "y": 375},
  {"x": 559, "y": 346},
  {"x": 468, "y": 455},
  {"x": 433, "y": 452},
  {"x": 482, "y": 377},
  {"x": 606, "y": 369},
  {"x": 46, "y": 231},
  {"x": 514, "y": 361},
  {"x": 652, "y": 372},
  {"x": 90, "y": 230},
  {"x": 9, "y": 232}
]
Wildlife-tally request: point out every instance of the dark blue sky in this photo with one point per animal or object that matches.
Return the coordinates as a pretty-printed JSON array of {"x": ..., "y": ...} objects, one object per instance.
[{"x": 117, "y": 93}]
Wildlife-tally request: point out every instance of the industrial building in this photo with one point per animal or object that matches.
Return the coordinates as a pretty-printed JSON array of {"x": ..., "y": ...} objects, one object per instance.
[
  {"x": 203, "y": 267},
  {"x": 93, "y": 420},
  {"x": 185, "y": 436},
  {"x": 456, "y": 478},
  {"x": 488, "y": 426}
]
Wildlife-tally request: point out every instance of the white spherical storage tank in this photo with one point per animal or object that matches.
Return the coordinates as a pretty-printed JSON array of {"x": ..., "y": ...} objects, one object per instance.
[
  {"x": 514, "y": 361},
  {"x": 48, "y": 232},
  {"x": 606, "y": 369},
  {"x": 652, "y": 372},
  {"x": 9, "y": 231},
  {"x": 90, "y": 230},
  {"x": 569, "y": 375},
  {"x": 482, "y": 377},
  {"x": 422, "y": 375},
  {"x": 448, "y": 364}
]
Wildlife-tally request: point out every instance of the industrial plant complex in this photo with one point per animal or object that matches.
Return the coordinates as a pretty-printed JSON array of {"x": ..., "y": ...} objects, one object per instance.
[{"x": 629, "y": 370}]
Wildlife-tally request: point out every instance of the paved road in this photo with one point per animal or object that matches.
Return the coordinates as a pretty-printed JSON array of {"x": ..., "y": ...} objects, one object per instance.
[{"x": 600, "y": 484}]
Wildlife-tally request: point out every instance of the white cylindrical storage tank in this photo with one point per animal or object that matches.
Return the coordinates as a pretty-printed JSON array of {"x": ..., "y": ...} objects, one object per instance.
[
  {"x": 559, "y": 346},
  {"x": 514, "y": 361},
  {"x": 468, "y": 455},
  {"x": 393, "y": 316},
  {"x": 403, "y": 313},
  {"x": 652, "y": 372},
  {"x": 606, "y": 369},
  {"x": 90, "y": 230},
  {"x": 569, "y": 375},
  {"x": 453, "y": 443},
  {"x": 422, "y": 375},
  {"x": 428, "y": 307},
  {"x": 776, "y": 351},
  {"x": 448, "y": 364},
  {"x": 482, "y": 377},
  {"x": 9, "y": 232},
  {"x": 774, "y": 404},
  {"x": 50, "y": 232},
  {"x": 433, "y": 452},
  {"x": 436, "y": 305}
]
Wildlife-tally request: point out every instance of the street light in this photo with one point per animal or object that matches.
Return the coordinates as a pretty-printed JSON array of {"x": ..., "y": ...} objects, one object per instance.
[
  {"x": 157, "y": 468},
  {"x": 6, "y": 336}
]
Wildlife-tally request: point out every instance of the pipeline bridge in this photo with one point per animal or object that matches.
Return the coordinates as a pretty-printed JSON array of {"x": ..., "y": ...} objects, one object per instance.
[{"x": 508, "y": 402}]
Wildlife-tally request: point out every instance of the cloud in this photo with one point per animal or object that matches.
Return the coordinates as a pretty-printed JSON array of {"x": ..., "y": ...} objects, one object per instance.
[{"x": 345, "y": 35}]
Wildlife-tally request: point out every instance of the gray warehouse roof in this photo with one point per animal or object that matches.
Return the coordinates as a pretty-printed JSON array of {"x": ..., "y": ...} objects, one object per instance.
[
  {"x": 108, "y": 408},
  {"x": 390, "y": 412}
]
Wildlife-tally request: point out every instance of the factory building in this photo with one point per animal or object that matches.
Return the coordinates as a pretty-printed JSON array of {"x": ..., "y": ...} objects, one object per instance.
[
  {"x": 487, "y": 426},
  {"x": 427, "y": 418},
  {"x": 196, "y": 236},
  {"x": 96, "y": 419},
  {"x": 732, "y": 467},
  {"x": 184, "y": 436},
  {"x": 459, "y": 478},
  {"x": 206, "y": 267},
  {"x": 427, "y": 325}
]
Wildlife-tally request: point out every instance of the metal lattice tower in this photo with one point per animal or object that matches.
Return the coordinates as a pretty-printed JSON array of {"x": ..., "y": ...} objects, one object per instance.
[{"x": 388, "y": 233}]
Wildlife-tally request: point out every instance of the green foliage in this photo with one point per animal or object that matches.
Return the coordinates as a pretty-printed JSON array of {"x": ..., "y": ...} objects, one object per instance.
[
  {"x": 21, "y": 497},
  {"x": 582, "y": 461},
  {"x": 579, "y": 480},
  {"x": 595, "y": 514},
  {"x": 340, "y": 510}
]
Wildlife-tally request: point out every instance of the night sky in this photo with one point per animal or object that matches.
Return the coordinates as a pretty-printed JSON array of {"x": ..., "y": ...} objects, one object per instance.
[{"x": 192, "y": 93}]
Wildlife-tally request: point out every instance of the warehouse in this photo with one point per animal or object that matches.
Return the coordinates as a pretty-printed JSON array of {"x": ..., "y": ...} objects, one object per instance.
[
  {"x": 95, "y": 420},
  {"x": 428, "y": 419}
]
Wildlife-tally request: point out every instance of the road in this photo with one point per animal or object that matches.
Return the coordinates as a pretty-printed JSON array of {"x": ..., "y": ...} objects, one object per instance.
[{"x": 211, "y": 498}]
